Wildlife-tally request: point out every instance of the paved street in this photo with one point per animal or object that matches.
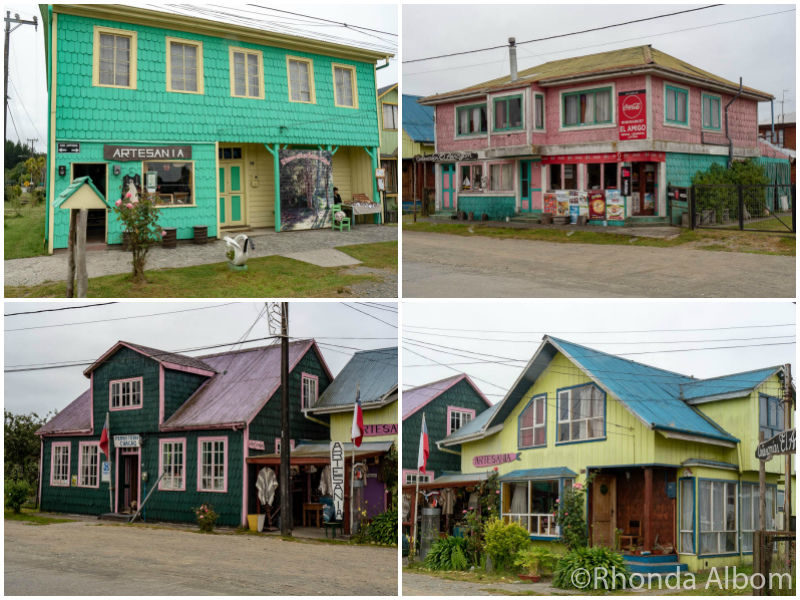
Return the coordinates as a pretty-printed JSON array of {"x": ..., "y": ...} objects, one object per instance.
[
  {"x": 417, "y": 584},
  {"x": 438, "y": 265},
  {"x": 89, "y": 558}
]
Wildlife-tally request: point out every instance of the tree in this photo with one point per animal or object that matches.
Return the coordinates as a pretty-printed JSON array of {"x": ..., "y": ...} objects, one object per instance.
[
  {"x": 139, "y": 216},
  {"x": 21, "y": 452},
  {"x": 35, "y": 166},
  {"x": 15, "y": 153}
]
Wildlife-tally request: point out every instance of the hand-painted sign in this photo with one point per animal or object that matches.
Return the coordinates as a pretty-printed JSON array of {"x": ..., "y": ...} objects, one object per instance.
[
  {"x": 306, "y": 189},
  {"x": 448, "y": 157},
  {"x": 127, "y": 153},
  {"x": 256, "y": 445},
  {"x": 783, "y": 443},
  {"x": 490, "y": 460},
  {"x": 337, "y": 479},
  {"x": 644, "y": 156},
  {"x": 632, "y": 110},
  {"x": 380, "y": 429},
  {"x": 127, "y": 441},
  {"x": 69, "y": 147}
]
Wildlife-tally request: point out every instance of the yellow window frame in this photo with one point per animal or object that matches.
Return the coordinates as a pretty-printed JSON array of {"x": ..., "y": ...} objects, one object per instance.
[
  {"x": 185, "y": 42},
  {"x": 353, "y": 84},
  {"x": 132, "y": 74},
  {"x": 311, "y": 86},
  {"x": 260, "y": 57}
]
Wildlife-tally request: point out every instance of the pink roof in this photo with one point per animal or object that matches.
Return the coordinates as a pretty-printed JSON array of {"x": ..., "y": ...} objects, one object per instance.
[
  {"x": 76, "y": 417},
  {"x": 418, "y": 397}
]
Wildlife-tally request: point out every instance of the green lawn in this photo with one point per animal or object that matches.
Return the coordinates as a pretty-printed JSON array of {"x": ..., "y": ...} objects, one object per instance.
[
  {"x": 24, "y": 231},
  {"x": 32, "y": 517},
  {"x": 272, "y": 276}
]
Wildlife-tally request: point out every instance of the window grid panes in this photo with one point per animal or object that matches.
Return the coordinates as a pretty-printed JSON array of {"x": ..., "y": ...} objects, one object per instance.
[
  {"x": 459, "y": 418},
  {"x": 183, "y": 67},
  {"x": 533, "y": 505},
  {"x": 770, "y": 416},
  {"x": 687, "y": 516},
  {"x": 471, "y": 119},
  {"x": 343, "y": 87},
  {"x": 471, "y": 177},
  {"x": 61, "y": 465},
  {"x": 508, "y": 113},
  {"x": 676, "y": 109},
  {"x": 300, "y": 80},
  {"x": 126, "y": 394},
  {"x": 246, "y": 75},
  {"x": 532, "y": 423},
  {"x": 590, "y": 107},
  {"x": 115, "y": 60},
  {"x": 390, "y": 116},
  {"x": 411, "y": 478},
  {"x": 711, "y": 112},
  {"x": 581, "y": 414},
  {"x": 213, "y": 465},
  {"x": 89, "y": 465},
  {"x": 718, "y": 517},
  {"x": 172, "y": 465},
  {"x": 309, "y": 391}
]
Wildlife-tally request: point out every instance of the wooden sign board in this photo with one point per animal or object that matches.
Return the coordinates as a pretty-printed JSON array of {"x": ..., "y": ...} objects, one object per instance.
[
  {"x": 783, "y": 443},
  {"x": 337, "y": 479}
]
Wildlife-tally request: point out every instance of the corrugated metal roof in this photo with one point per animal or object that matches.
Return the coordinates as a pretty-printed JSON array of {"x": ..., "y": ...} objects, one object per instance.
[
  {"x": 725, "y": 385},
  {"x": 416, "y": 398},
  {"x": 244, "y": 382},
  {"x": 473, "y": 427},
  {"x": 417, "y": 120},
  {"x": 76, "y": 416},
  {"x": 609, "y": 63},
  {"x": 546, "y": 473},
  {"x": 374, "y": 371},
  {"x": 386, "y": 88},
  {"x": 703, "y": 462},
  {"x": 158, "y": 355},
  {"x": 449, "y": 478}
]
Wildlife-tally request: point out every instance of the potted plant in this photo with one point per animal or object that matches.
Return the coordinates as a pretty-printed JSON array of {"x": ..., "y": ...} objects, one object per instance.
[
  {"x": 206, "y": 517},
  {"x": 535, "y": 560}
]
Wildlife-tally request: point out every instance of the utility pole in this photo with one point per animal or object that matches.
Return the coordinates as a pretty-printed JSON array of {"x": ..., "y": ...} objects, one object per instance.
[
  {"x": 31, "y": 141},
  {"x": 286, "y": 497},
  {"x": 19, "y": 22},
  {"x": 787, "y": 425}
]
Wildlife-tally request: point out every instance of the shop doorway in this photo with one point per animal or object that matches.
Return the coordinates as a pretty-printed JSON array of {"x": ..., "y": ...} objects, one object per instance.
[
  {"x": 128, "y": 482},
  {"x": 643, "y": 188},
  {"x": 448, "y": 186},
  {"x": 525, "y": 186},
  {"x": 96, "y": 224},
  {"x": 231, "y": 195},
  {"x": 604, "y": 505}
]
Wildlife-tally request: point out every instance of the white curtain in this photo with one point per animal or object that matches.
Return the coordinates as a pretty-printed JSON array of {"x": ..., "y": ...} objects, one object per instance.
[
  {"x": 519, "y": 503},
  {"x": 603, "y": 104}
]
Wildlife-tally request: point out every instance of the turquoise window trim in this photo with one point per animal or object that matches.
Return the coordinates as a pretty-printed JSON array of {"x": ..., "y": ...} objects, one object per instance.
[
  {"x": 544, "y": 115},
  {"x": 507, "y": 100},
  {"x": 470, "y": 107},
  {"x": 678, "y": 91},
  {"x": 593, "y": 92},
  {"x": 714, "y": 99}
]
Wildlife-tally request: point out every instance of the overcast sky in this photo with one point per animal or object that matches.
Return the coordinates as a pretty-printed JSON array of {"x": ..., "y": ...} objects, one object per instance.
[
  {"x": 27, "y": 62},
  {"x": 760, "y": 50},
  {"x": 514, "y": 329},
  {"x": 338, "y": 327}
]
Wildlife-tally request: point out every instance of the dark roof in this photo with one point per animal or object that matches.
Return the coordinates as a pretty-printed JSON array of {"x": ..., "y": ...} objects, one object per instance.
[
  {"x": 420, "y": 396},
  {"x": 158, "y": 355},
  {"x": 374, "y": 371},
  {"x": 386, "y": 88},
  {"x": 417, "y": 120},
  {"x": 75, "y": 417}
]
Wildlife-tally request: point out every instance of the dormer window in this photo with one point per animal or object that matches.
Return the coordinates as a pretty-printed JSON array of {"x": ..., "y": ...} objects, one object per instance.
[{"x": 125, "y": 394}]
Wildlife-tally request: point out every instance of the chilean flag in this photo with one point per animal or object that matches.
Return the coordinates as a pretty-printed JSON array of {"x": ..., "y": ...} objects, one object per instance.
[
  {"x": 104, "y": 439},
  {"x": 424, "y": 447},
  {"x": 357, "y": 430}
]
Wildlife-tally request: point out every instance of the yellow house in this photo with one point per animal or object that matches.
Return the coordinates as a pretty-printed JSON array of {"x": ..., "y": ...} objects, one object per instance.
[{"x": 667, "y": 461}]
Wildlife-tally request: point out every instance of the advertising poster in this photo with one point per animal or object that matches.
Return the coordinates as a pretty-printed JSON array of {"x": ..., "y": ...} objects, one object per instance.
[
  {"x": 562, "y": 199},
  {"x": 649, "y": 201},
  {"x": 615, "y": 206},
  {"x": 632, "y": 111},
  {"x": 574, "y": 208},
  {"x": 306, "y": 189},
  {"x": 597, "y": 205},
  {"x": 550, "y": 204},
  {"x": 583, "y": 204}
]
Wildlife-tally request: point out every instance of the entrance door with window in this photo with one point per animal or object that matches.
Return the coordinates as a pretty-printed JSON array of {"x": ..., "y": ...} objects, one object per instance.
[
  {"x": 231, "y": 194},
  {"x": 643, "y": 188},
  {"x": 128, "y": 482},
  {"x": 604, "y": 510},
  {"x": 525, "y": 186},
  {"x": 448, "y": 186},
  {"x": 96, "y": 223}
]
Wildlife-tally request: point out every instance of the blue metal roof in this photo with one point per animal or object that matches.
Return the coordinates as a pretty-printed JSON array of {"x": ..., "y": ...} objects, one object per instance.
[
  {"x": 375, "y": 371},
  {"x": 417, "y": 120},
  {"x": 547, "y": 473},
  {"x": 727, "y": 385},
  {"x": 471, "y": 428}
]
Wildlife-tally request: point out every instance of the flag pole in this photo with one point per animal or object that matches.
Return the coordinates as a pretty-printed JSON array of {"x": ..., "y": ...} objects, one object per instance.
[
  {"x": 353, "y": 459},
  {"x": 416, "y": 515}
]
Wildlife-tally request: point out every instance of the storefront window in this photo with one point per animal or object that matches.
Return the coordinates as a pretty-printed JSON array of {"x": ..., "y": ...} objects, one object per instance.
[
  {"x": 471, "y": 119},
  {"x": 213, "y": 467},
  {"x": 508, "y": 113},
  {"x": 532, "y": 504},
  {"x": 581, "y": 413},
  {"x": 555, "y": 177},
  {"x": 718, "y": 517},
  {"x": 174, "y": 182},
  {"x": 88, "y": 465},
  {"x": 471, "y": 176},
  {"x": 570, "y": 177},
  {"x": 589, "y": 107},
  {"x": 609, "y": 175},
  {"x": 593, "y": 181},
  {"x": 501, "y": 177},
  {"x": 749, "y": 510}
]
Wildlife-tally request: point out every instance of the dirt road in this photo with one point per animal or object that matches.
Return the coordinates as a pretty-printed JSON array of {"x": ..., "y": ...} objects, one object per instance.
[
  {"x": 441, "y": 266},
  {"x": 90, "y": 558}
]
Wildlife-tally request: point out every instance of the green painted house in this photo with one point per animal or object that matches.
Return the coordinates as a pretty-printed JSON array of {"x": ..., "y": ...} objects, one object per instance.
[
  {"x": 448, "y": 405},
  {"x": 217, "y": 121},
  {"x": 186, "y": 425},
  {"x": 390, "y": 120}
]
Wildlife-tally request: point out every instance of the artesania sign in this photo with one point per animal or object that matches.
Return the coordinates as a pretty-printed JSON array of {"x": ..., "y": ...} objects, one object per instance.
[
  {"x": 632, "y": 111},
  {"x": 127, "y": 441},
  {"x": 783, "y": 443},
  {"x": 380, "y": 429},
  {"x": 337, "y": 478},
  {"x": 126, "y": 153},
  {"x": 490, "y": 460}
]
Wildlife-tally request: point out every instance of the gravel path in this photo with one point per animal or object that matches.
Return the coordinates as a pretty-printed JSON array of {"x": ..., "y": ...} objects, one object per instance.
[{"x": 41, "y": 269}]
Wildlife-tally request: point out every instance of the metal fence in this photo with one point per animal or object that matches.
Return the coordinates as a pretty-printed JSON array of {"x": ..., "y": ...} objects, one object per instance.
[{"x": 744, "y": 207}]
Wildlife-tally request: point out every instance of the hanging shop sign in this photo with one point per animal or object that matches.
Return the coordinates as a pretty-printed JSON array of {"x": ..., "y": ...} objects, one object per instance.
[
  {"x": 69, "y": 147},
  {"x": 615, "y": 206},
  {"x": 128, "y": 441},
  {"x": 446, "y": 157},
  {"x": 632, "y": 111},
  {"x": 597, "y": 204},
  {"x": 490, "y": 460},
  {"x": 337, "y": 478},
  {"x": 306, "y": 184},
  {"x": 380, "y": 429},
  {"x": 565, "y": 159},
  {"x": 256, "y": 445},
  {"x": 783, "y": 443},
  {"x": 128, "y": 153}
]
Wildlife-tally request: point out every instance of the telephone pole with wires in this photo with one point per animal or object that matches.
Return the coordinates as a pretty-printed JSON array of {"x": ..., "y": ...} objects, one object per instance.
[
  {"x": 286, "y": 497},
  {"x": 19, "y": 23}
]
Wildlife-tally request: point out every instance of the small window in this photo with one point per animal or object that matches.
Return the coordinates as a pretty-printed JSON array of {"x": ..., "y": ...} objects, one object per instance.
[
  {"x": 126, "y": 394},
  {"x": 173, "y": 464},
  {"x": 457, "y": 418},
  {"x": 390, "y": 116},
  {"x": 532, "y": 423},
  {"x": 770, "y": 416},
  {"x": 345, "y": 90},
  {"x": 229, "y": 153},
  {"x": 676, "y": 105},
  {"x": 309, "y": 391},
  {"x": 89, "y": 465},
  {"x": 114, "y": 58},
  {"x": 508, "y": 113},
  {"x": 301, "y": 79},
  {"x": 184, "y": 66},
  {"x": 538, "y": 111},
  {"x": 501, "y": 177},
  {"x": 213, "y": 469},
  {"x": 59, "y": 463},
  {"x": 471, "y": 177},
  {"x": 174, "y": 182},
  {"x": 412, "y": 476},
  {"x": 711, "y": 112},
  {"x": 247, "y": 73},
  {"x": 587, "y": 107},
  {"x": 471, "y": 119}
]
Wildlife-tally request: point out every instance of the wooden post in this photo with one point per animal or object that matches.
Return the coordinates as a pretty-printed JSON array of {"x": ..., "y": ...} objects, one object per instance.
[
  {"x": 758, "y": 558},
  {"x": 648, "y": 513},
  {"x": 414, "y": 166},
  {"x": 80, "y": 253},
  {"x": 73, "y": 217},
  {"x": 787, "y": 425}
]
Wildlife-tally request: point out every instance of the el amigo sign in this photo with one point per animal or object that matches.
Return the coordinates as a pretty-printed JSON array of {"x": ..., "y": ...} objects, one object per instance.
[
  {"x": 490, "y": 460},
  {"x": 127, "y": 153},
  {"x": 632, "y": 113},
  {"x": 783, "y": 443},
  {"x": 337, "y": 478}
]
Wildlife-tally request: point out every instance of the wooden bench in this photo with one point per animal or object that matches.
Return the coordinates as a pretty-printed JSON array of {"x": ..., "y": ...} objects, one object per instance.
[{"x": 332, "y": 526}]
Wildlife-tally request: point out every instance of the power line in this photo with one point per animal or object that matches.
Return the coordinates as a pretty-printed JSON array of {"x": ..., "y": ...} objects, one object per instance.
[
  {"x": 44, "y": 310},
  {"x": 562, "y": 331},
  {"x": 325, "y": 20},
  {"x": 607, "y": 342},
  {"x": 369, "y": 315},
  {"x": 562, "y": 35}
]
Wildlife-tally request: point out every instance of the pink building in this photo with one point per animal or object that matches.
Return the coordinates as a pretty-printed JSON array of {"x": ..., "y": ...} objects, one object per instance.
[{"x": 602, "y": 135}]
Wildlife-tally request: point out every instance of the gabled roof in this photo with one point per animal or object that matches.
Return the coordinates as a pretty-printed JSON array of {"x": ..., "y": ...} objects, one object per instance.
[
  {"x": 382, "y": 91},
  {"x": 374, "y": 372},
  {"x": 417, "y": 120},
  {"x": 87, "y": 195},
  {"x": 419, "y": 397},
  {"x": 168, "y": 359},
  {"x": 76, "y": 417},
  {"x": 245, "y": 381},
  {"x": 604, "y": 64},
  {"x": 727, "y": 386}
]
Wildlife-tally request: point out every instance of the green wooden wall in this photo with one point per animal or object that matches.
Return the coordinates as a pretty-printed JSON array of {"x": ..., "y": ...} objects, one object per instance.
[
  {"x": 85, "y": 501},
  {"x": 178, "y": 387},
  {"x": 497, "y": 207}
]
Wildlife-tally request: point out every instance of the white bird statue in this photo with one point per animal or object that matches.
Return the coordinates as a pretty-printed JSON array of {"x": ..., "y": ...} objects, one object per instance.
[{"x": 239, "y": 246}]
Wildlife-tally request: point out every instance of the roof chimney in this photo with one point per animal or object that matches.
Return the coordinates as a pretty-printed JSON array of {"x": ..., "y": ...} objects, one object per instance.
[{"x": 512, "y": 57}]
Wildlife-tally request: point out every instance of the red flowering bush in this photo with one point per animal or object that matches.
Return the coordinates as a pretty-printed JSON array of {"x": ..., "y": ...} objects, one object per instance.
[
  {"x": 206, "y": 517},
  {"x": 570, "y": 517},
  {"x": 139, "y": 217}
]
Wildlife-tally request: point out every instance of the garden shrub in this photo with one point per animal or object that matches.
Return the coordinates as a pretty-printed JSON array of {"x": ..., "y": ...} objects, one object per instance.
[
  {"x": 597, "y": 568},
  {"x": 447, "y": 554},
  {"x": 17, "y": 493},
  {"x": 383, "y": 529},
  {"x": 536, "y": 560},
  {"x": 503, "y": 541},
  {"x": 571, "y": 517}
]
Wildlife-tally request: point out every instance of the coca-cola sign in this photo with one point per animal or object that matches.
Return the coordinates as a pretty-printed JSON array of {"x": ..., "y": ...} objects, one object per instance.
[{"x": 632, "y": 115}]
